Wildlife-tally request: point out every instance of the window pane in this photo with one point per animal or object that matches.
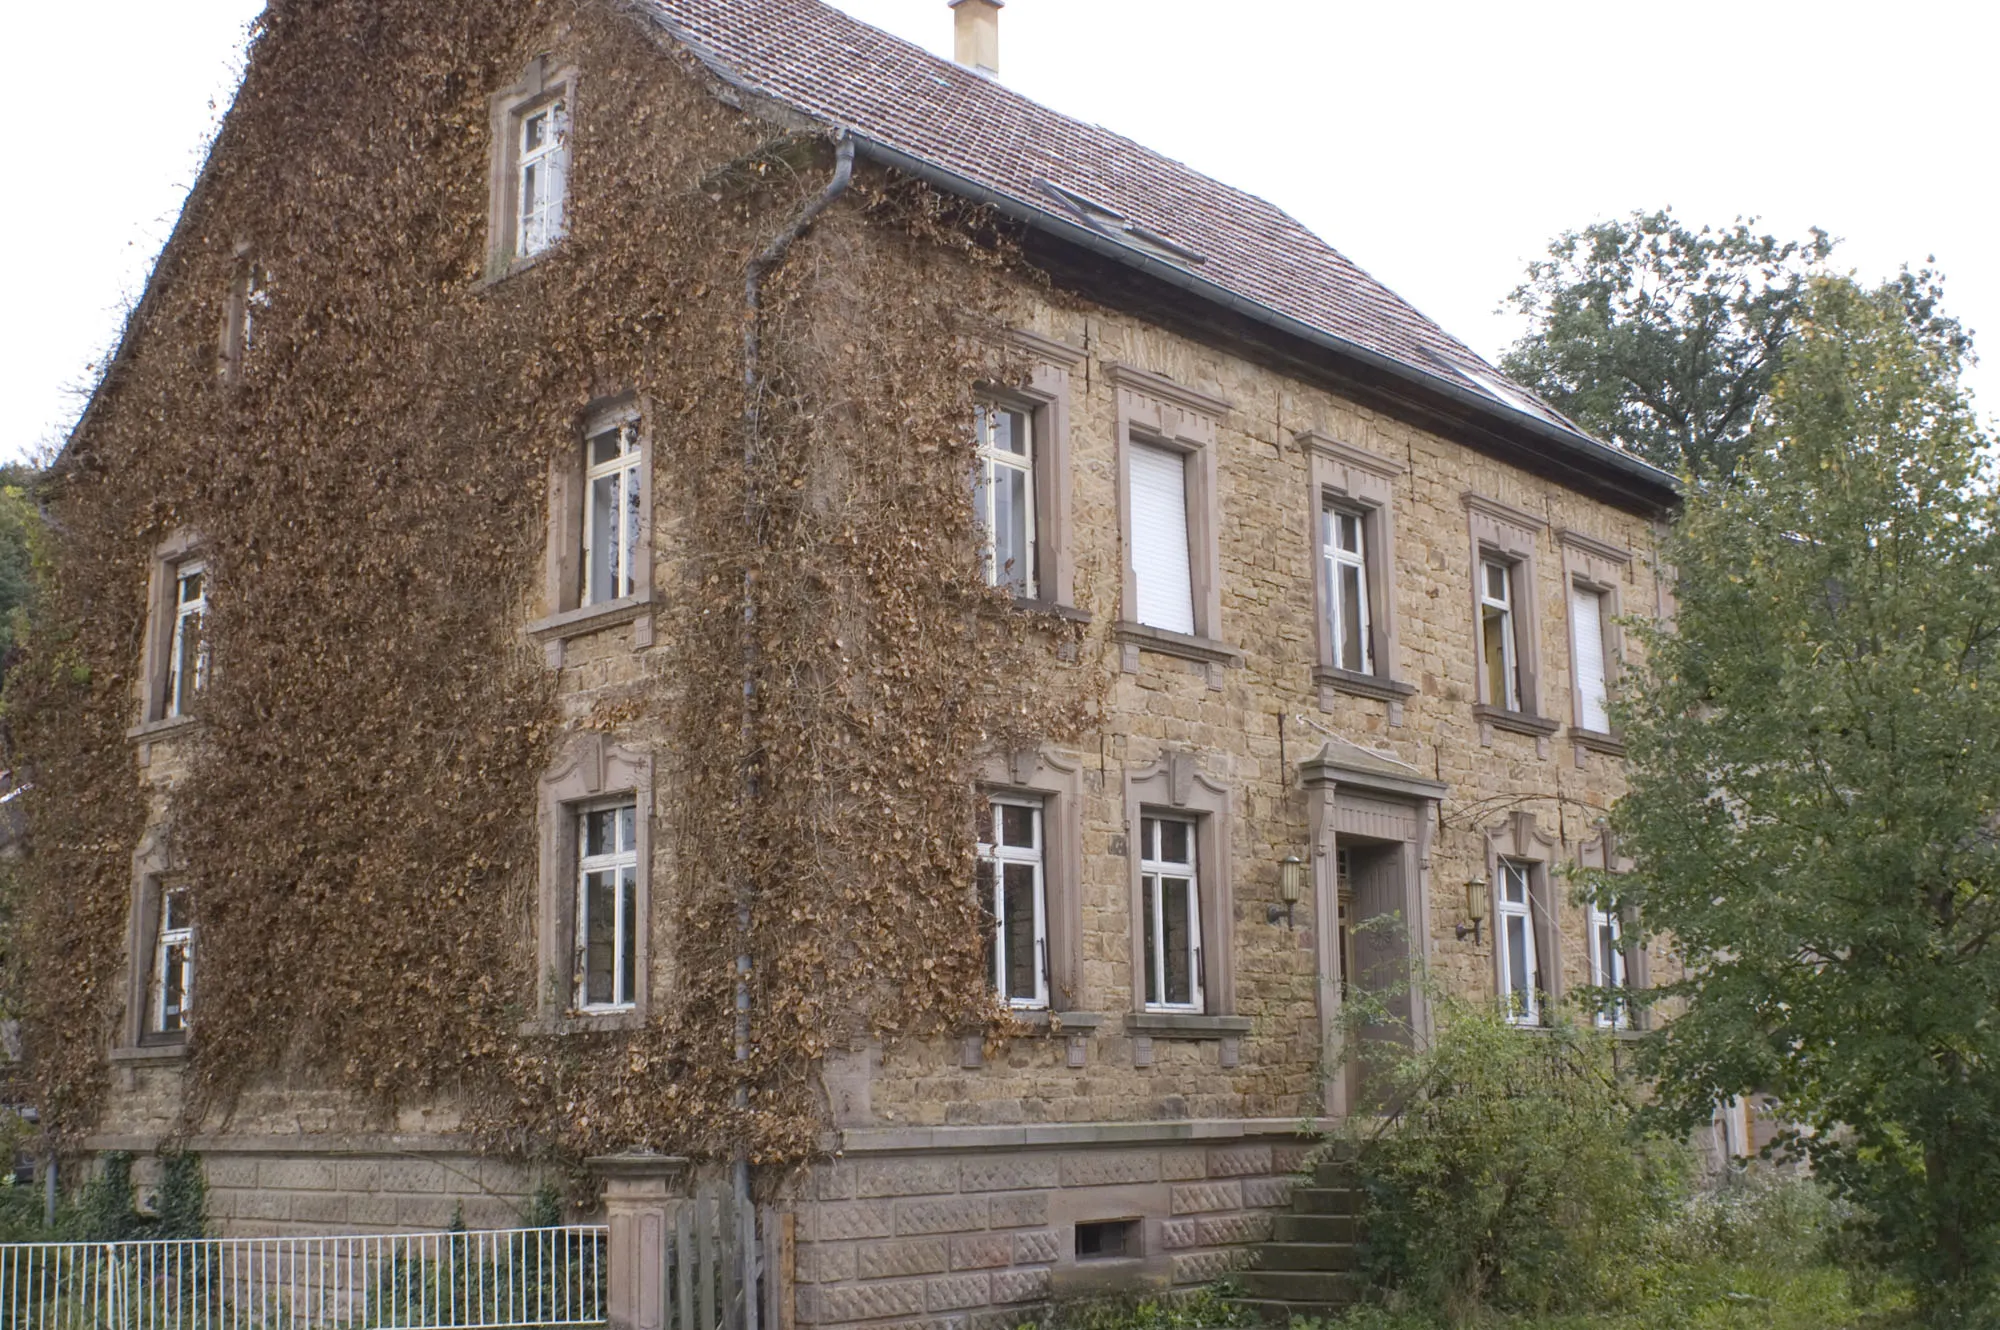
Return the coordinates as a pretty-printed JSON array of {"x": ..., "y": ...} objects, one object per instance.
[
  {"x": 1010, "y": 432},
  {"x": 1150, "y": 891},
  {"x": 1351, "y": 626},
  {"x": 1586, "y": 627},
  {"x": 1023, "y": 955},
  {"x": 173, "y": 984},
  {"x": 1012, "y": 505},
  {"x": 629, "y": 562},
  {"x": 1349, "y": 531},
  {"x": 1517, "y": 961},
  {"x": 600, "y": 937},
  {"x": 1495, "y": 625},
  {"x": 1514, "y": 883},
  {"x": 628, "y": 952},
  {"x": 627, "y": 825},
  {"x": 606, "y": 447},
  {"x": 173, "y": 912},
  {"x": 1175, "y": 838},
  {"x": 1496, "y": 582},
  {"x": 603, "y": 538},
  {"x": 1017, "y": 826},
  {"x": 191, "y": 586},
  {"x": 1179, "y": 940},
  {"x": 534, "y": 132},
  {"x": 599, "y": 832}
]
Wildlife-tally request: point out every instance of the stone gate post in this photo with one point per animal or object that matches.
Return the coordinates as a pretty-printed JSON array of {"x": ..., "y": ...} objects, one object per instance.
[{"x": 643, "y": 1194}]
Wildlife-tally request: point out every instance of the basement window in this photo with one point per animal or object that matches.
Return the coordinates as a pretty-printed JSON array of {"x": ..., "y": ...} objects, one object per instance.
[{"x": 1107, "y": 1239}]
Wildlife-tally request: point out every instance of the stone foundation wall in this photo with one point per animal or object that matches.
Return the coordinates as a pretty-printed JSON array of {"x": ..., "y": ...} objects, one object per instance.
[{"x": 969, "y": 1228}]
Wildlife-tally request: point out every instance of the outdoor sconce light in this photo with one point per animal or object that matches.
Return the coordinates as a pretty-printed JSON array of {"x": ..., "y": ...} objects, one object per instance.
[
  {"x": 1475, "y": 909},
  {"x": 1291, "y": 885}
]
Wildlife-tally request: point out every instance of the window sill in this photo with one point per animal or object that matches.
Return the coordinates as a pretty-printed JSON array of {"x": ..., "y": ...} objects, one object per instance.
[
  {"x": 590, "y": 618},
  {"x": 155, "y": 1055},
  {"x": 1043, "y": 1021},
  {"x": 495, "y": 276},
  {"x": 1185, "y": 1025},
  {"x": 1187, "y": 647},
  {"x": 1067, "y": 613},
  {"x": 1362, "y": 685},
  {"x": 160, "y": 729},
  {"x": 1515, "y": 722},
  {"x": 1597, "y": 741},
  {"x": 586, "y": 1022}
]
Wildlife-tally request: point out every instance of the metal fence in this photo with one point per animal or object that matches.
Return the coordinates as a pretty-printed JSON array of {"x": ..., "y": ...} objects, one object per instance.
[{"x": 503, "y": 1279}]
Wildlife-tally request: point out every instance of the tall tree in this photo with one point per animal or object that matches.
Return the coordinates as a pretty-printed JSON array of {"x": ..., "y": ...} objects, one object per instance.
[
  {"x": 1815, "y": 806},
  {"x": 1663, "y": 338}
]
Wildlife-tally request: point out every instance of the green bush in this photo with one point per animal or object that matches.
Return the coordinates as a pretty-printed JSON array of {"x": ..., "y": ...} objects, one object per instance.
[
  {"x": 1207, "y": 1308},
  {"x": 1511, "y": 1172}
]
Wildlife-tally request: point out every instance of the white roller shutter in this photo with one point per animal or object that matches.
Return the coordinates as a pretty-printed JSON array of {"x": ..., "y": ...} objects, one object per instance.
[
  {"x": 1586, "y": 630},
  {"x": 1160, "y": 538}
]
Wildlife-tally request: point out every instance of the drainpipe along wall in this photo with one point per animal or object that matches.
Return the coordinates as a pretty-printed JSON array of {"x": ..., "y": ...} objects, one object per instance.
[{"x": 754, "y": 525}]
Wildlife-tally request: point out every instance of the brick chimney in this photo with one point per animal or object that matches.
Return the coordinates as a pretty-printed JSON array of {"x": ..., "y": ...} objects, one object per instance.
[{"x": 978, "y": 24}]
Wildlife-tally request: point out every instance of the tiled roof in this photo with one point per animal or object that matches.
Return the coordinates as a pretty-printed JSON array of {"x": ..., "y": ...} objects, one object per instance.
[{"x": 834, "y": 68}]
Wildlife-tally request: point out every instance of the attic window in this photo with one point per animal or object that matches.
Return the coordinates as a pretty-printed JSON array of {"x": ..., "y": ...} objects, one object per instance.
[
  {"x": 1507, "y": 394},
  {"x": 1117, "y": 225}
]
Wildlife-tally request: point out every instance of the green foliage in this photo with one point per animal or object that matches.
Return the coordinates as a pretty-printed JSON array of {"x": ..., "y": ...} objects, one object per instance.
[
  {"x": 1757, "y": 1252},
  {"x": 107, "y": 1212},
  {"x": 182, "y": 1205},
  {"x": 1663, "y": 338},
  {"x": 1513, "y": 1172},
  {"x": 1816, "y": 769},
  {"x": 544, "y": 1208},
  {"x": 20, "y": 523},
  {"x": 1207, "y": 1308}
]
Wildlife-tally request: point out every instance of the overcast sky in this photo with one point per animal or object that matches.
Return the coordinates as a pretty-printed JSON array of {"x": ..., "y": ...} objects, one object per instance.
[{"x": 1439, "y": 145}]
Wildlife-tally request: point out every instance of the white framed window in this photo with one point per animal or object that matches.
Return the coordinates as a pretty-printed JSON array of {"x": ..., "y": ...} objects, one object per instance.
[
  {"x": 1587, "y": 620},
  {"x": 1350, "y": 627},
  {"x": 1608, "y": 967},
  {"x": 187, "y": 644},
  {"x": 612, "y": 513},
  {"x": 1170, "y": 900},
  {"x": 1006, "y": 500},
  {"x": 1499, "y": 652},
  {"x": 1514, "y": 933},
  {"x": 171, "y": 996},
  {"x": 1014, "y": 882},
  {"x": 1162, "y": 566},
  {"x": 541, "y": 183},
  {"x": 607, "y": 895}
]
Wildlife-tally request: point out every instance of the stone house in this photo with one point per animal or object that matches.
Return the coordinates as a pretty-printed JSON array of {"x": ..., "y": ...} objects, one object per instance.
[{"x": 1348, "y": 602}]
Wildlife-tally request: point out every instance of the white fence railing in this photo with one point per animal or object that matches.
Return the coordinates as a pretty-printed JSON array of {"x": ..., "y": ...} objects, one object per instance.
[{"x": 501, "y": 1279}]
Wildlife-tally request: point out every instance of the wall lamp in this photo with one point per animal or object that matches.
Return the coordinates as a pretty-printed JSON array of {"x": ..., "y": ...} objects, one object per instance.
[
  {"x": 1291, "y": 886},
  {"x": 1475, "y": 909}
]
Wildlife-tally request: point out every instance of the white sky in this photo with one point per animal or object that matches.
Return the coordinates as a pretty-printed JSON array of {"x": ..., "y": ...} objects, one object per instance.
[{"x": 1439, "y": 145}]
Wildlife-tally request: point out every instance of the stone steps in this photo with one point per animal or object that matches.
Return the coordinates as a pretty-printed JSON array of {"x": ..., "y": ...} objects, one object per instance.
[
  {"x": 1311, "y": 1265},
  {"x": 1316, "y": 1228}
]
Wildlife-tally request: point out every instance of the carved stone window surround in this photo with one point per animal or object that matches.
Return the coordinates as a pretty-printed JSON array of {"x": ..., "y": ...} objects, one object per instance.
[
  {"x": 1046, "y": 398},
  {"x": 152, "y": 865},
  {"x": 564, "y": 615},
  {"x": 1365, "y": 482},
  {"x": 540, "y": 84},
  {"x": 1510, "y": 535},
  {"x": 1173, "y": 785},
  {"x": 592, "y": 768},
  {"x": 168, "y": 556},
  {"x": 1156, "y": 411},
  {"x": 1520, "y": 838},
  {"x": 1605, "y": 569},
  {"x": 1057, "y": 782}
]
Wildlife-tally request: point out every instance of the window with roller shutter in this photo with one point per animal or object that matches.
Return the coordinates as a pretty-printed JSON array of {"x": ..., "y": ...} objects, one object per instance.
[
  {"x": 1587, "y": 621},
  {"x": 1161, "y": 563}
]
